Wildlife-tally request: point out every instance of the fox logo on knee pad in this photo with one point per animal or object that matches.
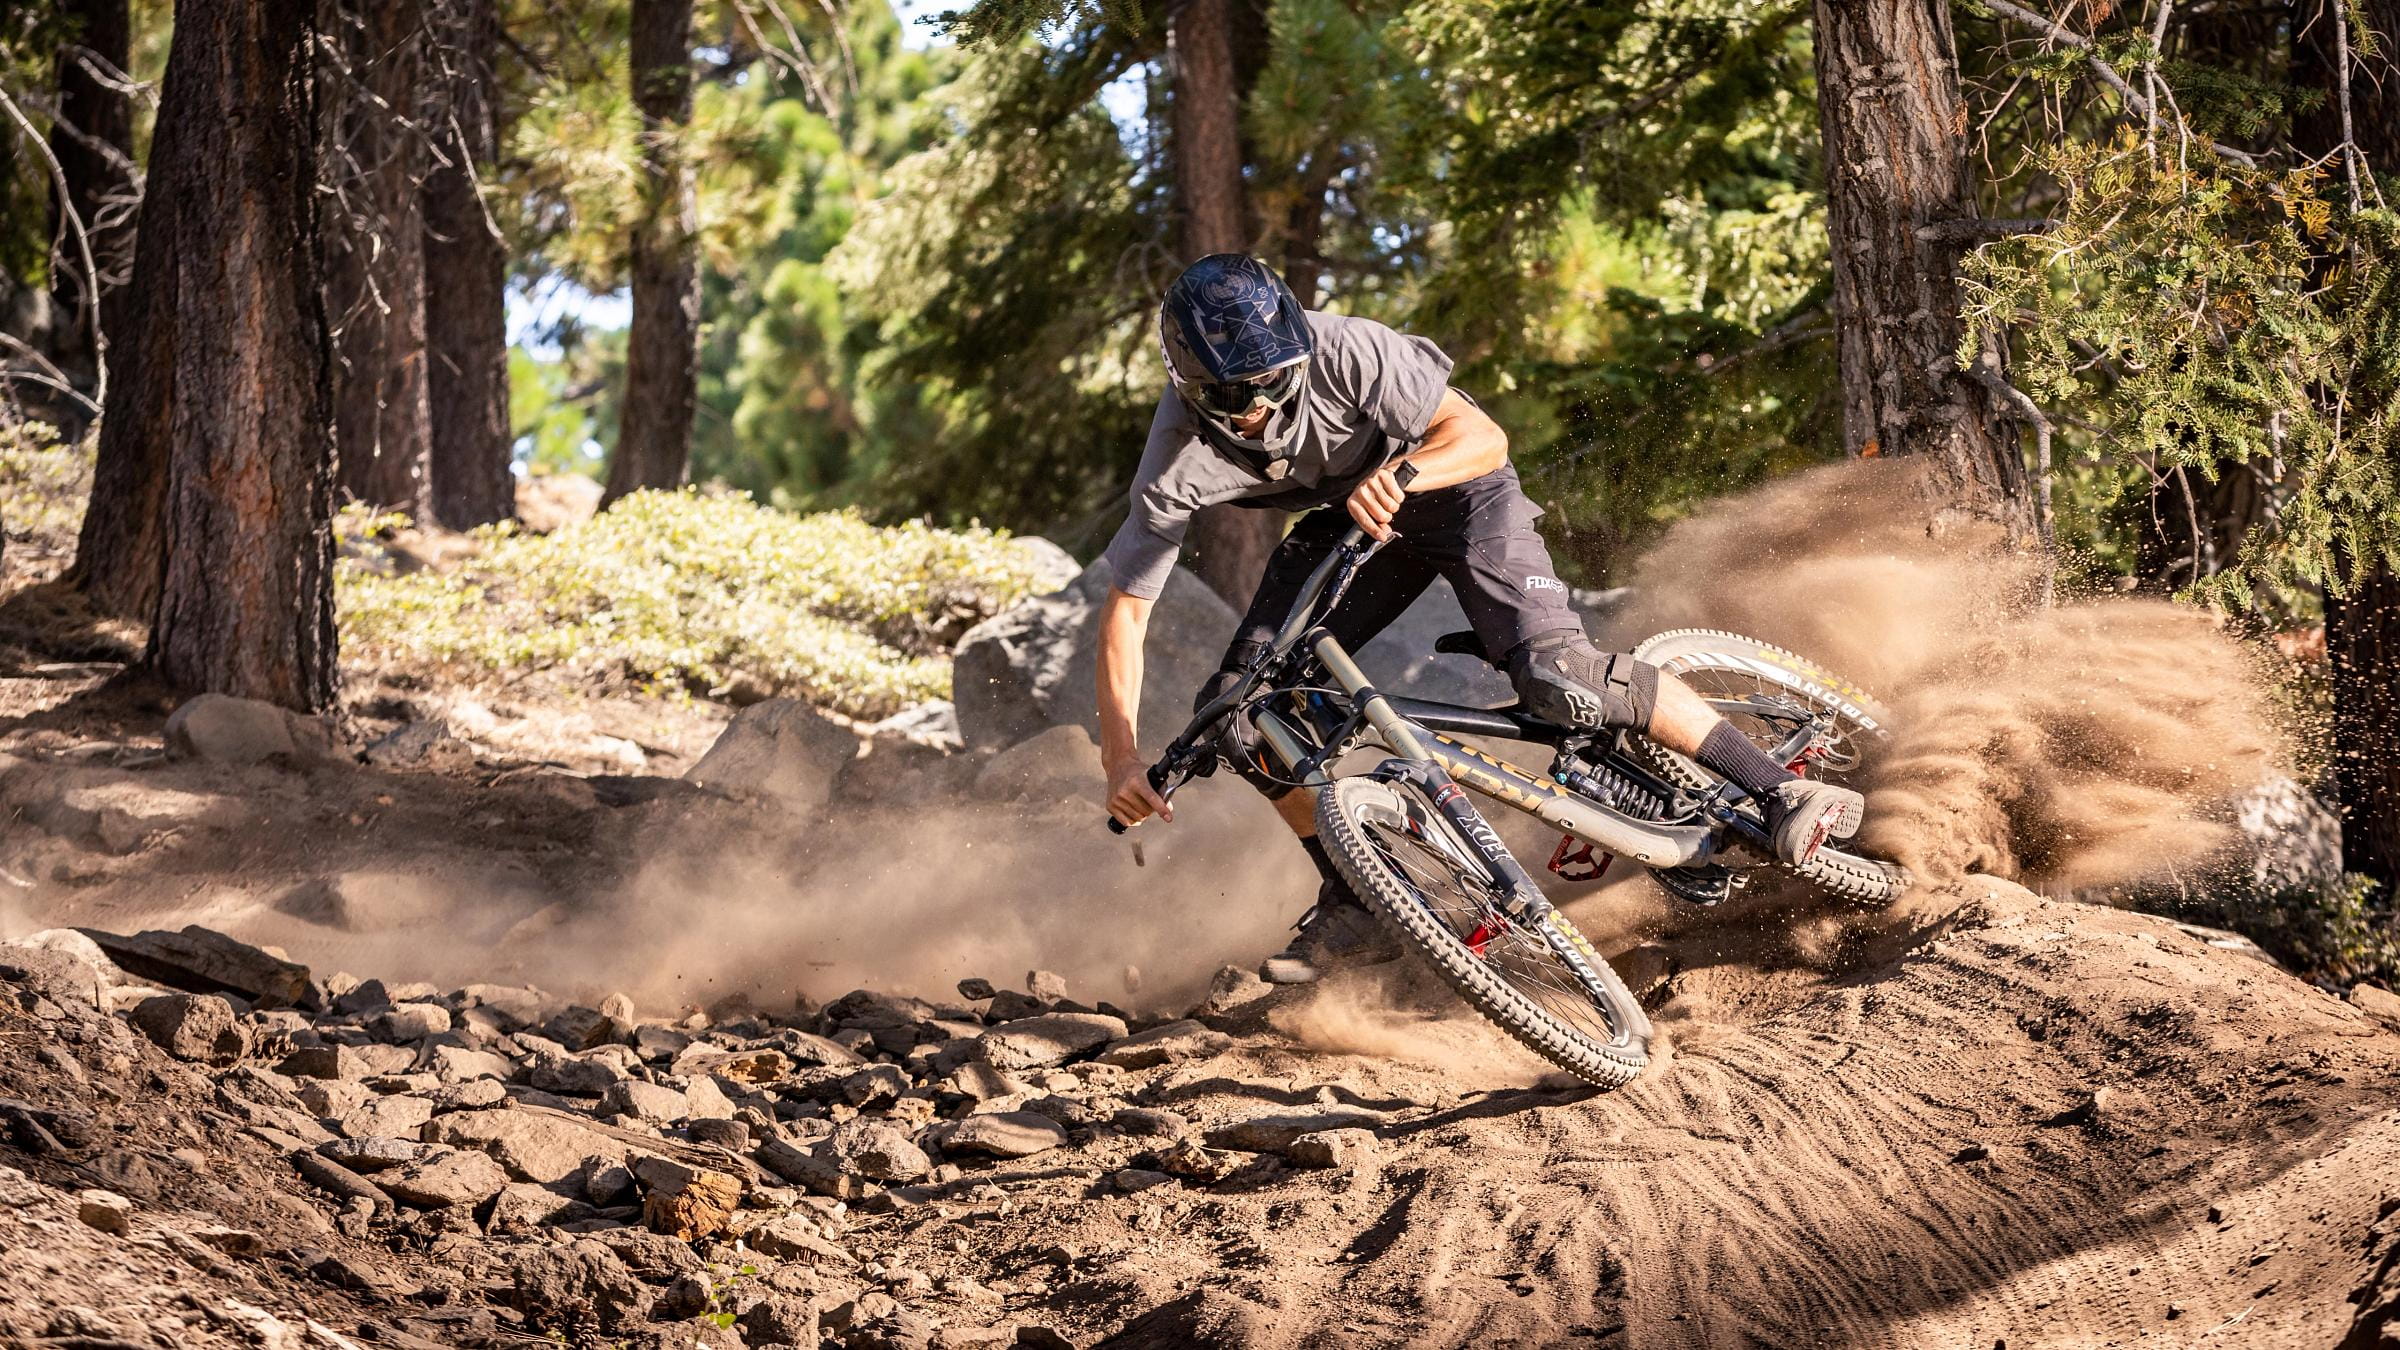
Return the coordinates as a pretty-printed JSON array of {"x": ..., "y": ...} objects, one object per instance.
[{"x": 1564, "y": 679}]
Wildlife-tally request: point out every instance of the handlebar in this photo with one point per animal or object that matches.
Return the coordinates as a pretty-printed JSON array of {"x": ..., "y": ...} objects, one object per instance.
[{"x": 1174, "y": 767}]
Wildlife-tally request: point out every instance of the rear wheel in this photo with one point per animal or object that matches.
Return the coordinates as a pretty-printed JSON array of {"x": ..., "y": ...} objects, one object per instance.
[
  {"x": 1545, "y": 985},
  {"x": 1781, "y": 685}
]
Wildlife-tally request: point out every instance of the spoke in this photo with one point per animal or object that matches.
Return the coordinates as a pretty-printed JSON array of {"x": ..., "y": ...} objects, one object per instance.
[{"x": 1463, "y": 902}]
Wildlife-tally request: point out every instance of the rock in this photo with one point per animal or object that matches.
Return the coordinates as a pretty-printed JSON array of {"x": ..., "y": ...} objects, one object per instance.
[
  {"x": 458, "y": 1177},
  {"x": 346, "y": 1063},
  {"x": 751, "y": 1066},
  {"x": 576, "y": 1075},
  {"x": 796, "y": 1237},
  {"x": 780, "y": 1320},
  {"x": 1231, "y": 988},
  {"x": 575, "y": 1289},
  {"x": 874, "y": 1085},
  {"x": 1030, "y": 667},
  {"x": 456, "y": 1064},
  {"x": 781, "y": 748},
  {"x": 105, "y": 1210},
  {"x": 932, "y": 725},
  {"x": 821, "y": 1175},
  {"x": 1046, "y": 985},
  {"x": 425, "y": 746},
  {"x": 336, "y": 1180},
  {"x": 724, "y": 1133},
  {"x": 550, "y": 500},
  {"x": 1166, "y": 1044},
  {"x": 1060, "y": 764},
  {"x": 982, "y": 1082},
  {"x": 194, "y": 1027},
  {"x": 579, "y": 1028},
  {"x": 1010, "y": 1005},
  {"x": 371, "y": 1154},
  {"x": 686, "y": 1203},
  {"x": 1275, "y": 1134},
  {"x": 2377, "y": 1003},
  {"x": 1003, "y": 1134},
  {"x": 330, "y": 1098},
  {"x": 644, "y": 1101},
  {"x": 704, "y": 1100},
  {"x": 244, "y": 731},
  {"x": 1135, "y": 1180},
  {"x": 1189, "y": 1160},
  {"x": 876, "y": 1150},
  {"x": 408, "y": 1023},
  {"x": 1053, "y": 567},
  {"x": 1033, "y": 1336},
  {"x": 687, "y": 1296},
  {"x": 203, "y": 961},
  {"x": 1150, "y": 1120},
  {"x": 60, "y": 964},
  {"x": 398, "y": 1116},
  {"x": 521, "y": 1207},
  {"x": 975, "y": 988},
  {"x": 537, "y": 1148},
  {"x": 514, "y": 1005},
  {"x": 1052, "y": 1038},
  {"x": 1331, "y": 1148}
]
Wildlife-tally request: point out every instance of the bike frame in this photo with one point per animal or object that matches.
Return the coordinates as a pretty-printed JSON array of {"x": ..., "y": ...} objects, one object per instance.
[{"x": 1414, "y": 730}]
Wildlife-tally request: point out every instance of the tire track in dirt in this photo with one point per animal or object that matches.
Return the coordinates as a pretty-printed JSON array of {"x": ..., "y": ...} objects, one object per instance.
[{"x": 2045, "y": 1126}]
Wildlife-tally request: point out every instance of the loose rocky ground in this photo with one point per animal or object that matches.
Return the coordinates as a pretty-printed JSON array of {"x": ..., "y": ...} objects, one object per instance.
[{"x": 2038, "y": 1123}]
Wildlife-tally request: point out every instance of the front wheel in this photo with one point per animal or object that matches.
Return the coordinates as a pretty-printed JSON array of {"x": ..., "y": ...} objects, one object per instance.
[{"x": 1546, "y": 986}]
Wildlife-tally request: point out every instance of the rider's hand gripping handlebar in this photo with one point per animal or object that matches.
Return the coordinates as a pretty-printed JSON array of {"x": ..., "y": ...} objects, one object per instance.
[{"x": 1176, "y": 765}]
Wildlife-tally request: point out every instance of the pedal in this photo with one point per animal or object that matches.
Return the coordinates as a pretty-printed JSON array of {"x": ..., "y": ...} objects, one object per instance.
[
  {"x": 1699, "y": 885},
  {"x": 1575, "y": 860}
]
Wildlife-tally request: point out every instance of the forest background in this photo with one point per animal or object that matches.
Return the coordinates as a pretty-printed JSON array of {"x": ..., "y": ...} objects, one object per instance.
[{"x": 2124, "y": 275}]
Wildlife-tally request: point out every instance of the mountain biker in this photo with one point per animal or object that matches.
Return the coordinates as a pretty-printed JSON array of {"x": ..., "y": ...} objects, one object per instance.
[{"x": 1276, "y": 407}]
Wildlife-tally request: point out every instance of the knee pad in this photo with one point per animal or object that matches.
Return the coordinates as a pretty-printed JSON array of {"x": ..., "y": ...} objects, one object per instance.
[{"x": 1563, "y": 678}]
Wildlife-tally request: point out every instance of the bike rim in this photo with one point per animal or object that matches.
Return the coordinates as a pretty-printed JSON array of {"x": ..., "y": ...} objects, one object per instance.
[{"x": 1417, "y": 847}]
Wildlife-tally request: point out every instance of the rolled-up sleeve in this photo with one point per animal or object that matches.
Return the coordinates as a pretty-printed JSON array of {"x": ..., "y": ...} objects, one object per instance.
[{"x": 1139, "y": 561}]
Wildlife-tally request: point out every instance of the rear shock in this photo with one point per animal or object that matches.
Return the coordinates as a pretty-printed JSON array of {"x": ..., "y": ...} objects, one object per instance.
[{"x": 1608, "y": 787}]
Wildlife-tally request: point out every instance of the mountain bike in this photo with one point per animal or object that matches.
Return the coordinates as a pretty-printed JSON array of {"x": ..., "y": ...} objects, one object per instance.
[{"x": 1413, "y": 844}]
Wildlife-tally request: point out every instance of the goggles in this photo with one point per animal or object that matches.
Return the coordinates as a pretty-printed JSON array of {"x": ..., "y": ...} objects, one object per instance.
[{"x": 1238, "y": 397}]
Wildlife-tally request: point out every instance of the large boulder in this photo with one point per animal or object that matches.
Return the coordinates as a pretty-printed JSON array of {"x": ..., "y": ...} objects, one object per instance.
[
  {"x": 781, "y": 748},
  {"x": 245, "y": 731},
  {"x": 1030, "y": 667},
  {"x": 201, "y": 960}
]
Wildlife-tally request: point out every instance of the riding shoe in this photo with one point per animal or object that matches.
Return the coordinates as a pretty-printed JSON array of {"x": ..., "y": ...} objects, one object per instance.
[
  {"x": 1805, "y": 812},
  {"x": 1335, "y": 929}
]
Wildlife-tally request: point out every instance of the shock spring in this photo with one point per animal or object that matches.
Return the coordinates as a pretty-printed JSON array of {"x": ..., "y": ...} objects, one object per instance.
[{"x": 1609, "y": 788}]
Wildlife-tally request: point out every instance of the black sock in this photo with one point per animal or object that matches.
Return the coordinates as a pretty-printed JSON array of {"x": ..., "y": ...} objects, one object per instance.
[
  {"x": 1729, "y": 753},
  {"x": 1333, "y": 877}
]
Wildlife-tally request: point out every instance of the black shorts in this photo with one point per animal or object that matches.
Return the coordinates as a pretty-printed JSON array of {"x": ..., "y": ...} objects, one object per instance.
[{"x": 1479, "y": 534}]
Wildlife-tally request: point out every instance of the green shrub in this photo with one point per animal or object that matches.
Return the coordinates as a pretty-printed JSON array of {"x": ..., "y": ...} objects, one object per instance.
[
  {"x": 43, "y": 484},
  {"x": 690, "y": 592},
  {"x": 2334, "y": 934}
]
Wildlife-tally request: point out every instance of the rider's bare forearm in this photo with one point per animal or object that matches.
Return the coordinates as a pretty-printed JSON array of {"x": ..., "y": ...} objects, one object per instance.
[
  {"x": 1124, "y": 621},
  {"x": 1460, "y": 444}
]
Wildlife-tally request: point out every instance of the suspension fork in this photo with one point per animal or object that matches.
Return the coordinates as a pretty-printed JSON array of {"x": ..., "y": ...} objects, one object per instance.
[{"x": 1416, "y": 766}]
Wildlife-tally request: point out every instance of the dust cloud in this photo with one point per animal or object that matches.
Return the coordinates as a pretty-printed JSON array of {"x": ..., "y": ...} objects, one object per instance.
[{"x": 2095, "y": 742}]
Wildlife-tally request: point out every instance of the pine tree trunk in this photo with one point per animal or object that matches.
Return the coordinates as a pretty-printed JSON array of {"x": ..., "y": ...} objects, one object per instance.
[
  {"x": 2362, "y": 630},
  {"x": 93, "y": 142},
  {"x": 1896, "y": 161},
  {"x": 1230, "y": 544},
  {"x": 466, "y": 277},
  {"x": 237, "y": 362},
  {"x": 654, "y": 426},
  {"x": 377, "y": 296}
]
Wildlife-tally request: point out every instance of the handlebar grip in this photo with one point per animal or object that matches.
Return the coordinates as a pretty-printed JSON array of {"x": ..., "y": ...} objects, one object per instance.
[
  {"x": 1405, "y": 474},
  {"x": 1158, "y": 783}
]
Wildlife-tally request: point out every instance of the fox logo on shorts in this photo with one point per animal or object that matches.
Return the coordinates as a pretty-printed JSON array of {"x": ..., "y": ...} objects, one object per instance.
[{"x": 1544, "y": 584}]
